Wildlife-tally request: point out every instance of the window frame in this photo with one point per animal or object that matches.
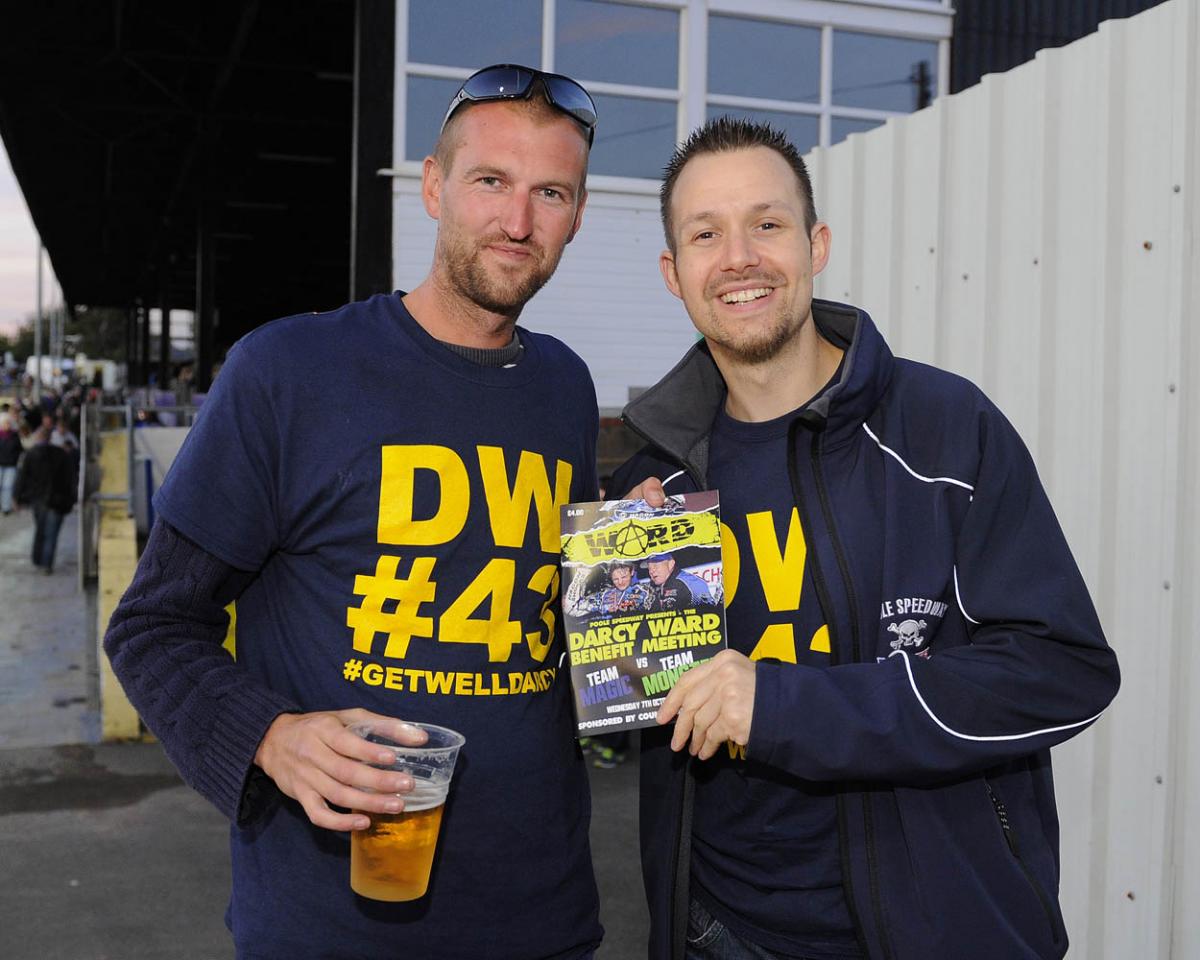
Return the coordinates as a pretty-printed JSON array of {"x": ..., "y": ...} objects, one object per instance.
[{"x": 930, "y": 20}]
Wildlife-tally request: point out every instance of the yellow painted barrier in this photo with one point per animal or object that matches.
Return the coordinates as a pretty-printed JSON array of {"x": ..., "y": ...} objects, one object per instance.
[
  {"x": 231, "y": 634},
  {"x": 118, "y": 559}
]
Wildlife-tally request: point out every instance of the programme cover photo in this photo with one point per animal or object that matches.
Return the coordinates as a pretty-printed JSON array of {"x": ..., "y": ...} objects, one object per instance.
[{"x": 643, "y": 601}]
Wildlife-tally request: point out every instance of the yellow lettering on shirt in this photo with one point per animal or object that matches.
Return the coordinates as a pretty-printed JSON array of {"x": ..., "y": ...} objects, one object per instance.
[
  {"x": 778, "y": 642},
  {"x": 397, "y": 483},
  {"x": 497, "y": 632},
  {"x": 508, "y": 506},
  {"x": 781, "y": 572},
  {"x": 545, "y": 580},
  {"x": 731, "y": 563}
]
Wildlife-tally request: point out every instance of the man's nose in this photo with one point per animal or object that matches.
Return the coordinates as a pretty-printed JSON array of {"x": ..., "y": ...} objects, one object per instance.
[
  {"x": 517, "y": 219},
  {"x": 738, "y": 251}
]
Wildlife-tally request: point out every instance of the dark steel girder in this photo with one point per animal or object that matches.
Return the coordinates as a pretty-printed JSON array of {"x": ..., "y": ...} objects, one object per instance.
[{"x": 118, "y": 114}]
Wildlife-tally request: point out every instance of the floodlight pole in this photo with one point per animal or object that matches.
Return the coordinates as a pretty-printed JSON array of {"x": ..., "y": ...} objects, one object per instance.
[{"x": 37, "y": 333}]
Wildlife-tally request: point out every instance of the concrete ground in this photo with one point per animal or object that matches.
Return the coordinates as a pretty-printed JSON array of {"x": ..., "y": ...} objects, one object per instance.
[
  {"x": 48, "y": 687},
  {"x": 104, "y": 853}
]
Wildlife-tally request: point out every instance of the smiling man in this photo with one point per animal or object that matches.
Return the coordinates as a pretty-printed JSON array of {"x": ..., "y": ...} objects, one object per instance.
[
  {"x": 392, "y": 546},
  {"x": 826, "y": 792}
]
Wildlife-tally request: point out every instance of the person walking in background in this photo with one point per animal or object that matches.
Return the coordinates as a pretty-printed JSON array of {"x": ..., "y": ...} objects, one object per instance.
[
  {"x": 865, "y": 772},
  {"x": 394, "y": 553},
  {"x": 10, "y": 456},
  {"x": 46, "y": 482},
  {"x": 63, "y": 436}
]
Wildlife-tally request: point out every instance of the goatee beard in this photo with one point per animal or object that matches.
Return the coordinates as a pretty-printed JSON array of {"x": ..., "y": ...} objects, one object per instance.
[
  {"x": 761, "y": 351},
  {"x": 753, "y": 352}
]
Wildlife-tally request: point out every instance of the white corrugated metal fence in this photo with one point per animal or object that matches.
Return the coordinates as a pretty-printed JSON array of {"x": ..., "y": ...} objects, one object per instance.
[{"x": 1038, "y": 234}]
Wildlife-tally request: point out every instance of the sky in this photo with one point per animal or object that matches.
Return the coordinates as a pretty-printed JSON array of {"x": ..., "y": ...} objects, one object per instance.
[{"x": 18, "y": 256}]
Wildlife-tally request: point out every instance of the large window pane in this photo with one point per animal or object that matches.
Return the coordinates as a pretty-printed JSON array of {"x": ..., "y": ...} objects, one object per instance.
[
  {"x": 883, "y": 73},
  {"x": 634, "y": 137},
  {"x": 754, "y": 58},
  {"x": 428, "y": 98},
  {"x": 467, "y": 33},
  {"x": 597, "y": 40},
  {"x": 841, "y": 127},
  {"x": 803, "y": 130}
]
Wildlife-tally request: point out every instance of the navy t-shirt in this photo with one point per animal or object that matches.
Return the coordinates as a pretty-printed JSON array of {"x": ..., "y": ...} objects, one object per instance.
[
  {"x": 765, "y": 855},
  {"x": 401, "y": 506}
]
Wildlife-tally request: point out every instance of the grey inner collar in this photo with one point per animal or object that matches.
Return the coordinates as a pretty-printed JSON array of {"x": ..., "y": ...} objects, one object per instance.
[{"x": 505, "y": 356}]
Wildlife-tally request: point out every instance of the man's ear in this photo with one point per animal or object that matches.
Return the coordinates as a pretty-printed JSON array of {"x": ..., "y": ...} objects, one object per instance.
[
  {"x": 821, "y": 240},
  {"x": 666, "y": 264},
  {"x": 431, "y": 187}
]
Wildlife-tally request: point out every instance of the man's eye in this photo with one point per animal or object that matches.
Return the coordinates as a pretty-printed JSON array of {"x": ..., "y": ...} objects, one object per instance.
[
  {"x": 489, "y": 181},
  {"x": 706, "y": 234},
  {"x": 551, "y": 194}
]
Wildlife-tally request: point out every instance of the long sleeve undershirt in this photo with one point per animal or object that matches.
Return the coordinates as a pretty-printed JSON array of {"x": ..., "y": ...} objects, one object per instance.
[{"x": 165, "y": 643}]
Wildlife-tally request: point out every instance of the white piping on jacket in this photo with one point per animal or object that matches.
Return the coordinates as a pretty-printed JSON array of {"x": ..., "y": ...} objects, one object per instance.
[
  {"x": 677, "y": 473},
  {"x": 958, "y": 597},
  {"x": 958, "y": 483},
  {"x": 900, "y": 460},
  {"x": 967, "y": 736}
]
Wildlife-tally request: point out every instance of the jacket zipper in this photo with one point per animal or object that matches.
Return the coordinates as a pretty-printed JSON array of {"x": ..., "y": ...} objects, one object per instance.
[
  {"x": 822, "y": 587},
  {"x": 682, "y": 867},
  {"x": 1011, "y": 839},
  {"x": 856, "y": 653}
]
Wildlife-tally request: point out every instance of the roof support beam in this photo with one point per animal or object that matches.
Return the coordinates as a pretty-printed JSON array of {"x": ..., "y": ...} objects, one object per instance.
[
  {"x": 164, "y": 332},
  {"x": 206, "y": 263},
  {"x": 371, "y": 148}
]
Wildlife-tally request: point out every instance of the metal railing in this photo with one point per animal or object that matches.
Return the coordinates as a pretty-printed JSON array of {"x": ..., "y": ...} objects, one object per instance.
[{"x": 95, "y": 420}]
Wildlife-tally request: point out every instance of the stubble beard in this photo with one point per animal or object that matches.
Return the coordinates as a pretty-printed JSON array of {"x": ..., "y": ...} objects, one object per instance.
[
  {"x": 500, "y": 291},
  {"x": 751, "y": 347}
]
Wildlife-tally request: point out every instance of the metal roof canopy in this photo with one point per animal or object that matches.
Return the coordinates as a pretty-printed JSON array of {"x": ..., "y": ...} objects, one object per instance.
[{"x": 149, "y": 136}]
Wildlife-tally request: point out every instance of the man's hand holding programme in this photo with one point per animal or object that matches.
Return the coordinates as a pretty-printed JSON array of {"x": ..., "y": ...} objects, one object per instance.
[{"x": 711, "y": 703}]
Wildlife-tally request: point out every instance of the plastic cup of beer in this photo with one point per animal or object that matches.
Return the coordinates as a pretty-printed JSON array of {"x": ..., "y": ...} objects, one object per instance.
[{"x": 392, "y": 858}]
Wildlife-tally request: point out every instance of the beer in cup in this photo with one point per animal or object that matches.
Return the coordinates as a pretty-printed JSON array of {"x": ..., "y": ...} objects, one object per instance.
[{"x": 392, "y": 858}]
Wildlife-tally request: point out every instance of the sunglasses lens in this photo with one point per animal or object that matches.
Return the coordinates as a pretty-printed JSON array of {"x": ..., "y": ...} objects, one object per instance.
[
  {"x": 571, "y": 97},
  {"x": 508, "y": 81},
  {"x": 497, "y": 82}
]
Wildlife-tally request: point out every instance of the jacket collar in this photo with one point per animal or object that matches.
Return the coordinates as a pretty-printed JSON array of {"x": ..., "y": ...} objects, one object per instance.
[{"x": 676, "y": 414}]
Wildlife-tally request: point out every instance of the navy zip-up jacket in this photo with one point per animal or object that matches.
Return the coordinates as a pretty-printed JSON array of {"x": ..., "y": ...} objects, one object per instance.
[{"x": 910, "y": 483}]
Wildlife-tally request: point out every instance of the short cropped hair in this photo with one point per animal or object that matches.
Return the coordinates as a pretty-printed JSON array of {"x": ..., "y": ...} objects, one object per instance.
[
  {"x": 540, "y": 109},
  {"x": 725, "y": 134}
]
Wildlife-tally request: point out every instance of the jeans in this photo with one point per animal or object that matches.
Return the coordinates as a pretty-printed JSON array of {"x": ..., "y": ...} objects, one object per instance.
[
  {"x": 8, "y": 476},
  {"x": 709, "y": 939},
  {"x": 47, "y": 523}
]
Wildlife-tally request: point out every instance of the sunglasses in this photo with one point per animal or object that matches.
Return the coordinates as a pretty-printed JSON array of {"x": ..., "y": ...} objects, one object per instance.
[{"x": 510, "y": 81}]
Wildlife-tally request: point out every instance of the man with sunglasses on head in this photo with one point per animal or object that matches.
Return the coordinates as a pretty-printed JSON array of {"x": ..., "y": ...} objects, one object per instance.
[{"x": 393, "y": 553}]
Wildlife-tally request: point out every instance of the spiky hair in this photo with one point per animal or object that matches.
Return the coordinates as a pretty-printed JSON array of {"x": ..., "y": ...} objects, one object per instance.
[{"x": 725, "y": 134}]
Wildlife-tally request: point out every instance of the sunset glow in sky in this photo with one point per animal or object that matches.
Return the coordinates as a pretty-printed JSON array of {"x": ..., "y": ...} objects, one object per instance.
[{"x": 18, "y": 256}]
